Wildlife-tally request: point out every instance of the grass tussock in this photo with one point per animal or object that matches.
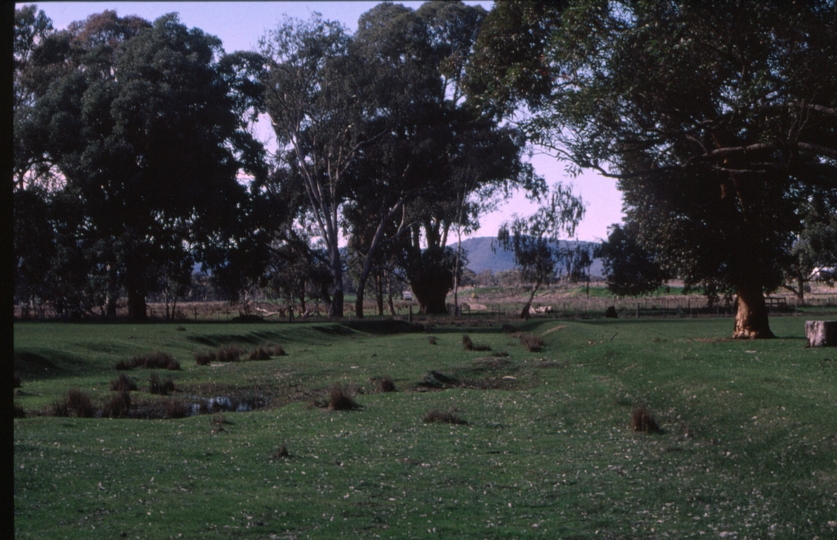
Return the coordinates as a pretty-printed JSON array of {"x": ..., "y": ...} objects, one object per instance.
[
  {"x": 176, "y": 409},
  {"x": 281, "y": 453},
  {"x": 386, "y": 384},
  {"x": 532, "y": 342},
  {"x": 443, "y": 417},
  {"x": 156, "y": 385},
  {"x": 18, "y": 411},
  {"x": 469, "y": 345},
  {"x": 229, "y": 353},
  {"x": 154, "y": 360},
  {"x": 204, "y": 358},
  {"x": 642, "y": 421},
  {"x": 117, "y": 406},
  {"x": 341, "y": 398},
  {"x": 76, "y": 404},
  {"x": 235, "y": 353},
  {"x": 123, "y": 383}
]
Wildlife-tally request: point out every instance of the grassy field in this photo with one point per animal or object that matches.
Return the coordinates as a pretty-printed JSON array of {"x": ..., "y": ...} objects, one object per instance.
[{"x": 747, "y": 448}]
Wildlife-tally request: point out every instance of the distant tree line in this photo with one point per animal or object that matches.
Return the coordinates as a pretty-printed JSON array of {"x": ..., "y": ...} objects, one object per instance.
[{"x": 134, "y": 158}]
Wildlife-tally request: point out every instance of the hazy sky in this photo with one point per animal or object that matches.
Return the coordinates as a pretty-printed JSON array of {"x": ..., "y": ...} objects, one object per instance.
[{"x": 240, "y": 24}]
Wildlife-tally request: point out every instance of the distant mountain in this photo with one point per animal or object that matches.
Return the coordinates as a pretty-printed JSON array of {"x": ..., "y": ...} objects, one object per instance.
[{"x": 481, "y": 257}]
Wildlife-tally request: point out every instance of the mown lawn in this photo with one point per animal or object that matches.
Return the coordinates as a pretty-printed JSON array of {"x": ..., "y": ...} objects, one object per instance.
[{"x": 748, "y": 447}]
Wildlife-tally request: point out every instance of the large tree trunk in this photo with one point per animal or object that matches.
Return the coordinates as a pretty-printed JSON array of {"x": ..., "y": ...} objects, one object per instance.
[
  {"x": 136, "y": 305},
  {"x": 335, "y": 309},
  {"x": 751, "y": 318},
  {"x": 524, "y": 313}
]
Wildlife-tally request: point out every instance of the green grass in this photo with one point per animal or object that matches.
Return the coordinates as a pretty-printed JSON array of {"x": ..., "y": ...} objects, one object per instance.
[{"x": 749, "y": 442}]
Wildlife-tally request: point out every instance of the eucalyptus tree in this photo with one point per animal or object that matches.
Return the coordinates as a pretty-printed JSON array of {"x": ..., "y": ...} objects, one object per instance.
[
  {"x": 629, "y": 269},
  {"x": 713, "y": 116},
  {"x": 318, "y": 100},
  {"x": 438, "y": 164},
  {"x": 148, "y": 135},
  {"x": 532, "y": 238}
]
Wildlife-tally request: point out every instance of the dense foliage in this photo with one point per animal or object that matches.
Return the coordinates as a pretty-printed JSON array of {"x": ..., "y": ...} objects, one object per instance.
[{"x": 716, "y": 117}]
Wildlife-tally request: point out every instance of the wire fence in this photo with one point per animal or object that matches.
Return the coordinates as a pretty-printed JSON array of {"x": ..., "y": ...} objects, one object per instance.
[{"x": 566, "y": 308}]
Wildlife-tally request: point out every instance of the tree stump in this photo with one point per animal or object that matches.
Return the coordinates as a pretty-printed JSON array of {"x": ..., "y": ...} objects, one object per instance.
[{"x": 821, "y": 333}]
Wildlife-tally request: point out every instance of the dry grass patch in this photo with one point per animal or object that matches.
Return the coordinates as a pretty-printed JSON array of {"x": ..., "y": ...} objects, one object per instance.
[
  {"x": 154, "y": 360},
  {"x": 341, "y": 398},
  {"x": 469, "y": 345},
  {"x": 123, "y": 383},
  {"x": 281, "y": 453},
  {"x": 176, "y": 409},
  {"x": 386, "y": 384},
  {"x": 532, "y": 342},
  {"x": 642, "y": 421},
  {"x": 76, "y": 404},
  {"x": 117, "y": 406},
  {"x": 158, "y": 386},
  {"x": 443, "y": 417}
]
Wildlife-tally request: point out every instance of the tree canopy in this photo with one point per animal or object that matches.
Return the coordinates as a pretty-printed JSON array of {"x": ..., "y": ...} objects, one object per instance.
[
  {"x": 715, "y": 117},
  {"x": 144, "y": 132}
]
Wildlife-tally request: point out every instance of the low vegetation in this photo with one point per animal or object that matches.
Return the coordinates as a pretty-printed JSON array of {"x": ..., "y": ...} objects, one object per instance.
[{"x": 553, "y": 446}]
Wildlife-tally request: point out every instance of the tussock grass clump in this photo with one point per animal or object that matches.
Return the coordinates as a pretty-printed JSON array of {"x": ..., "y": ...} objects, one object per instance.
[
  {"x": 16, "y": 380},
  {"x": 386, "y": 384},
  {"x": 123, "y": 383},
  {"x": 176, "y": 409},
  {"x": 443, "y": 417},
  {"x": 532, "y": 342},
  {"x": 203, "y": 358},
  {"x": 117, "y": 406},
  {"x": 154, "y": 360},
  {"x": 157, "y": 385},
  {"x": 275, "y": 350},
  {"x": 642, "y": 421},
  {"x": 229, "y": 353},
  {"x": 281, "y": 453},
  {"x": 265, "y": 352},
  {"x": 259, "y": 353},
  {"x": 469, "y": 345},
  {"x": 341, "y": 398},
  {"x": 76, "y": 404},
  {"x": 18, "y": 411}
]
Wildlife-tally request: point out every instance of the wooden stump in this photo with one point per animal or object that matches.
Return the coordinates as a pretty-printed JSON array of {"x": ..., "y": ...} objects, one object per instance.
[{"x": 821, "y": 333}]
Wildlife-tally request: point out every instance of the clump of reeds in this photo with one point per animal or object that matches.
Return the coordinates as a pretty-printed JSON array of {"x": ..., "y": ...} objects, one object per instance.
[
  {"x": 642, "y": 421},
  {"x": 76, "y": 403},
  {"x": 386, "y": 384},
  {"x": 154, "y": 360},
  {"x": 469, "y": 345},
  {"x": 157, "y": 385},
  {"x": 341, "y": 398},
  {"x": 176, "y": 409},
  {"x": 117, "y": 406},
  {"x": 532, "y": 342},
  {"x": 443, "y": 417},
  {"x": 123, "y": 383},
  {"x": 203, "y": 358},
  {"x": 229, "y": 353}
]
